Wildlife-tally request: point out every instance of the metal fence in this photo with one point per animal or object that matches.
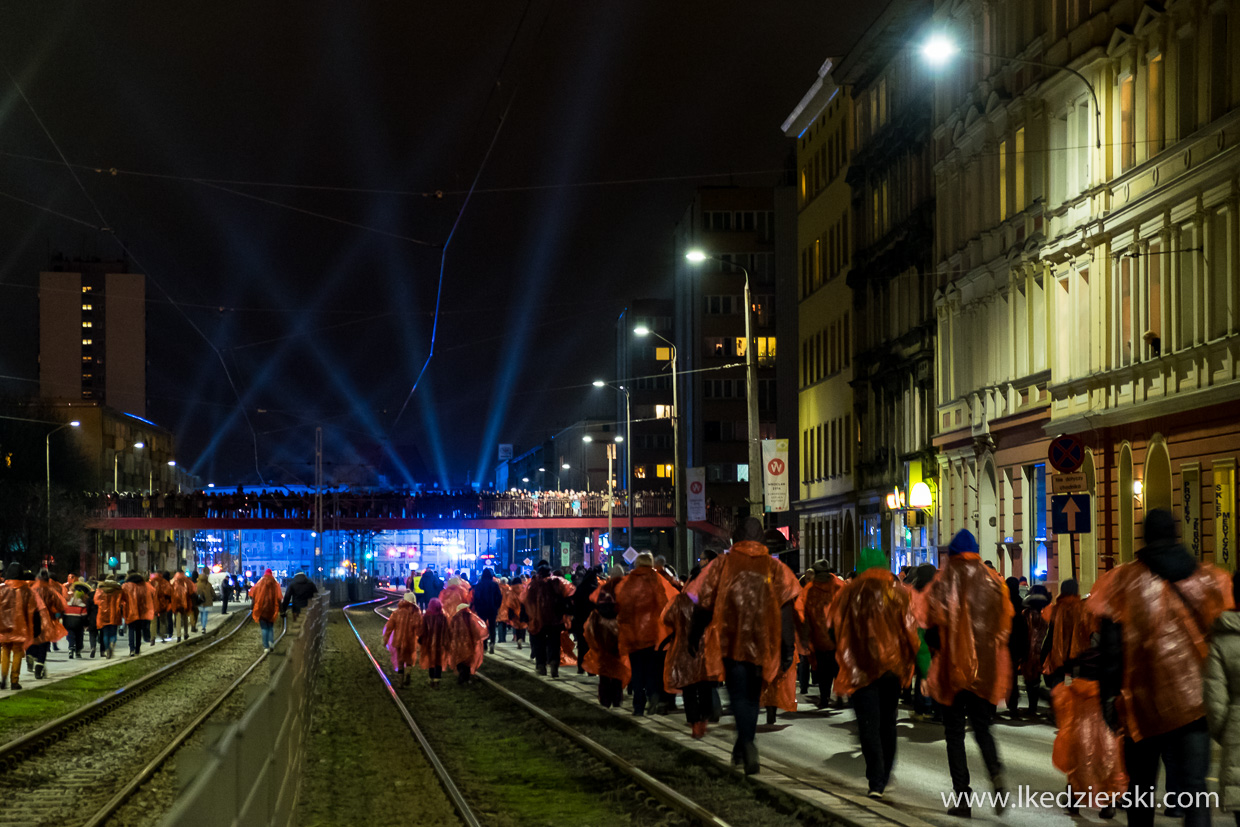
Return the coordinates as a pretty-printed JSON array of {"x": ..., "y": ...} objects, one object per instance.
[{"x": 249, "y": 772}]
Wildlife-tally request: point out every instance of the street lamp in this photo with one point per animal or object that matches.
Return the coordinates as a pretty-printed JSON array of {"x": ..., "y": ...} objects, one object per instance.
[
  {"x": 939, "y": 49},
  {"x": 628, "y": 451},
  {"x": 47, "y": 455},
  {"x": 116, "y": 458},
  {"x": 682, "y": 544},
  {"x": 751, "y": 391}
]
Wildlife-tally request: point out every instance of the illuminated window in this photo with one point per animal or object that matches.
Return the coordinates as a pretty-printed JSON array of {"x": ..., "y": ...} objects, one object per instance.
[
  {"x": 1019, "y": 164},
  {"x": 1003, "y": 188},
  {"x": 662, "y": 411},
  {"x": 88, "y": 324},
  {"x": 742, "y": 473},
  {"x": 86, "y": 358},
  {"x": 664, "y": 470},
  {"x": 1154, "y": 107},
  {"x": 1127, "y": 123},
  {"x": 88, "y": 341},
  {"x": 88, "y": 307},
  {"x": 87, "y": 288},
  {"x": 88, "y": 375},
  {"x": 639, "y": 472},
  {"x": 662, "y": 354},
  {"x": 740, "y": 345},
  {"x": 766, "y": 350}
]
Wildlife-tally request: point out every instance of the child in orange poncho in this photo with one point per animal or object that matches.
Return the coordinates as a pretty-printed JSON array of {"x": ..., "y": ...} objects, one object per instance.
[
  {"x": 433, "y": 643},
  {"x": 467, "y": 634},
  {"x": 400, "y": 635}
]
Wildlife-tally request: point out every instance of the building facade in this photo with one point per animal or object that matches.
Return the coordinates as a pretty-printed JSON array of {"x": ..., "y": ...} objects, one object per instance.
[
  {"x": 1091, "y": 277},
  {"x": 643, "y": 368}
]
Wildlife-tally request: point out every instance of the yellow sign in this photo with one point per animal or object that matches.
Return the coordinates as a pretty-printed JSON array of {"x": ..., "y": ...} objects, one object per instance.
[{"x": 1224, "y": 504}]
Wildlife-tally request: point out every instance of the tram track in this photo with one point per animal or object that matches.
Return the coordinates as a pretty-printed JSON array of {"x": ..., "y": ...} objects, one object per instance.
[{"x": 81, "y": 768}]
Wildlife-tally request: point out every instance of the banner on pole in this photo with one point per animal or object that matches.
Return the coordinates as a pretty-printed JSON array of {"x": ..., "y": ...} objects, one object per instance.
[
  {"x": 696, "y": 478},
  {"x": 775, "y": 474}
]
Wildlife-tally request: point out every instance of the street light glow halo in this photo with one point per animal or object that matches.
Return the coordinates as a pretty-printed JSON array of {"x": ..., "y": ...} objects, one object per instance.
[
  {"x": 696, "y": 256},
  {"x": 587, "y": 438},
  {"x": 938, "y": 49},
  {"x": 641, "y": 330},
  {"x": 566, "y": 466},
  {"x": 598, "y": 383},
  {"x": 75, "y": 423},
  {"x": 139, "y": 445}
]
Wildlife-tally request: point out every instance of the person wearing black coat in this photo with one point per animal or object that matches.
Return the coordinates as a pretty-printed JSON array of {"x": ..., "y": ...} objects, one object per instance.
[
  {"x": 299, "y": 594},
  {"x": 486, "y": 603},
  {"x": 583, "y": 605}
]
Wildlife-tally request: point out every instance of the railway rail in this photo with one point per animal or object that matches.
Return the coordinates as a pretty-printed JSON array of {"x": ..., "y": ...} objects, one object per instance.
[{"x": 80, "y": 768}]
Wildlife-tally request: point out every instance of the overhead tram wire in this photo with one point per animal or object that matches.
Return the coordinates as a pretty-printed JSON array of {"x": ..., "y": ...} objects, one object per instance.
[{"x": 106, "y": 227}]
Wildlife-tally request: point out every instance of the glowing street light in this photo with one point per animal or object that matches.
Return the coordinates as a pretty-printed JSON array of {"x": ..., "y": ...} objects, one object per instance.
[
  {"x": 938, "y": 49},
  {"x": 116, "y": 458},
  {"x": 696, "y": 256},
  {"x": 628, "y": 453},
  {"x": 682, "y": 547},
  {"x": 587, "y": 438},
  {"x": 47, "y": 449}
]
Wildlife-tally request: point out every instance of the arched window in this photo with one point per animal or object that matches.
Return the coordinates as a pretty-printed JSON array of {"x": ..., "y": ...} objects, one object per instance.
[
  {"x": 1125, "y": 504},
  {"x": 1088, "y": 542}
]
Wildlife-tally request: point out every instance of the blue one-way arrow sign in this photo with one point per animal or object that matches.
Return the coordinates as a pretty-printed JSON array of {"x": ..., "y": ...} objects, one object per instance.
[{"x": 1071, "y": 514}]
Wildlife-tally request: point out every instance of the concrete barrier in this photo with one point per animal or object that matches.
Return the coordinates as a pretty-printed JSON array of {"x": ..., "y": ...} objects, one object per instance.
[{"x": 249, "y": 772}]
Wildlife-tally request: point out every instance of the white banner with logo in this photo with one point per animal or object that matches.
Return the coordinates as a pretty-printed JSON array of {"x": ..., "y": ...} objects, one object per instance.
[
  {"x": 775, "y": 474},
  {"x": 697, "y": 494}
]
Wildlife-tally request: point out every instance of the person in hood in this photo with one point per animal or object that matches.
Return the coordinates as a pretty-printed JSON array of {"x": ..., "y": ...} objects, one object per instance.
[
  {"x": 107, "y": 614},
  {"x": 467, "y": 636},
  {"x": 546, "y": 599},
  {"x": 183, "y": 599},
  {"x": 814, "y": 606},
  {"x": 433, "y": 643},
  {"x": 690, "y": 672},
  {"x": 455, "y": 595},
  {"x": 1018, "y": 643},
  {"x": 1069, "y": 631},
  {"x": 137, "y": 609},
  {"x": 79, "y": 615},
  {"x": 602, "y": 632},
  {"x": 969, "y": 617},
  {"x": 300, "y": 592},
  {"x": 430, "y": 584},
  {"x": 265, "y": 602},
  {"x": 163, "y": 625},
  {"x": 1155, "y": 617},
  {"x": 876, "y": 648},
  {"x": 400, "y": 635},
  {"x": 641, "y": 597},
  {"x": 487, "y": 600},
  {"x": 1222, "y": 699},
  {"x": 583, "y": 605},
  {"x": 511, "y": 611},
  {"x": 1036, "y": 625},
  {"x": 205, "y": 594},
  {"x": 750, "y": 598},
  {"x": 51, "y": 596},
  {"x": 21, "y": 616}
]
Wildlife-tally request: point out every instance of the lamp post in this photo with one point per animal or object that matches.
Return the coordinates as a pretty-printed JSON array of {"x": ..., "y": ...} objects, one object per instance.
[
  {"x": 47, "y": 455},
  {"x": 628, "y": 451},
  {"x": 939, "y": 49},
  {"x": 116, "y": 458},
  {"x": 751, "y": 391},
  {"x": 552, "y": 473},
  {"x": 682, "y": 545}
]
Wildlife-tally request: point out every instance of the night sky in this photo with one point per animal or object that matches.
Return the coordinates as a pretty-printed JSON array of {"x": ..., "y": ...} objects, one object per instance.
[{"x": 376, "y": 116}]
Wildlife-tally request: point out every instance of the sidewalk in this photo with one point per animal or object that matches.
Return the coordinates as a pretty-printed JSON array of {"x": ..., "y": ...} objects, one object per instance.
[{"x": 60, "y": 666}]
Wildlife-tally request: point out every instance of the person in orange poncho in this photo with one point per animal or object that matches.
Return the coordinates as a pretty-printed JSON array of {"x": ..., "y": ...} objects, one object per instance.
[
  {"x": 1086, "y": 750},
  {"x": 22, "y": 615},
  {"x": 400, "y": 635},
  {"x": 164, "y": 620},
  {"x": 814, "y": 606},
  {"x": 502, "y": 623},
  {"x": 50, "y": 594},
  {"x": 433, "y": 643},
  {"x": 602, "y": 633},
  {"x": 546, "y": 598},
  {"x": 1155, "y": 615},
  {"x": 689, "y": 672},
  {"x": 969, "y": 616},
  {"x": 876, "y": 649},
  {"x": 455, "y": 594},
  {"x": 265, "y": 600},
  {"x": 137, "y": 609},
  {"x": 641, "y": 598},
  {"x": 510, "y": 611},
  {"x": 750, "y": 598},
  {"x": 467, "y": 635},
  {"x": 1070, "y": 627},
  {"x": 182, "y": 603},
  {"x": 108, "y": 616}
]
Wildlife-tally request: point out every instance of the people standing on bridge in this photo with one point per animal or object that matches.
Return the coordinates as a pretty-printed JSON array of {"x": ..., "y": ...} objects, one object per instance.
[
  {"x": 602, "y": 632},
  {"x": 265, "y": 597},
  {"x": 137, "y": 609},
  {"x": 206, "y": 599},
  {"x": 487, "y": 599},
  {"x": 641, "y": 597},
  {"x": 969, "y": 619},
  {"x": 546, "y": 600},
  {"x": 182, "y": 604},
  {"x": 814, "y": 606},
  {"x": 1156, "y": 613},
  {"x": 433, "y": 643},
  {"x": 51, "y": 630},
  {"x": 300, "y": 592},
  {"x": 876, "y": 649},
  {"x": 1222, "y": 699},
  {"x": 21, "y": 614},
  {"x": 691, "y": 673},
  {"x": 109, "y": 615},
  {"x": 400, "y": 635},
  {"x": 163, "y": 626},
  {"x": 749, "y": 596}
]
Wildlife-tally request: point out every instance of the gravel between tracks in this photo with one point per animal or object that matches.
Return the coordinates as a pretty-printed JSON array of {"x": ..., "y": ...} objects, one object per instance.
[
  {"x": 66, "y": 783},
  {"x": 363, "y": 766}
]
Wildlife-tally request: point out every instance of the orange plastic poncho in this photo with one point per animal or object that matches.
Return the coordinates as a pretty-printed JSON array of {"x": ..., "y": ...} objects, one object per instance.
[
  {"x": 1073, "y": 624},
  {"x": 49, "y": 594},
  {"x": 455, "y": 596},
  {"x": 400, "y": 633},
  {"x": 136, "y": 601},
  {"x": 681, "y": 669},
  {"x": 1086, "y": 750},
  {"x": 641, "y": 597},
  {"x": 180, "y": 593},
  {"x": 1164, "y": 646},
  {"x": 745, "y": 589},
  {"x": 266, "y": 599},
  {"x": 603, "y": 637},
  {"x": 163, "y": 592},
  {"x": 467, "y": 634},
  {"x": 875, "y": 632},
  {"x": 510, "y": 607},
  {"x": 18, "y": 606},
  {"x": 543, "y": 599},
  {"x": 108, "y": 599},
  {"x": 971, "y": 607},
  {"x": 433, "y": 643},
  {"x": 152, "y": 604},
  {"x": 568, "y": 650},
  {"x": 814, "y": 607}
]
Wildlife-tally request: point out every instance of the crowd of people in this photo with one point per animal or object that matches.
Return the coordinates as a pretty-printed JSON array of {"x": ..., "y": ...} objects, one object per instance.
[
  {"x": 1143, "y": 670},
  {"x": 432, "y": 504},
  {"x": 37, "y": 613}
]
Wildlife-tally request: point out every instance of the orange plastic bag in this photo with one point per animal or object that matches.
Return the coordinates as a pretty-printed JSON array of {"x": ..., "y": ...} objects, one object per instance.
[{"x": 1086, "y": 750}]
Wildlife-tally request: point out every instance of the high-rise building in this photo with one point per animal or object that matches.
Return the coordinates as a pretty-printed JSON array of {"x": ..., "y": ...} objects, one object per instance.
[
  {"x": 643, "y": 368},
  {"x": 92, "y": 334}
]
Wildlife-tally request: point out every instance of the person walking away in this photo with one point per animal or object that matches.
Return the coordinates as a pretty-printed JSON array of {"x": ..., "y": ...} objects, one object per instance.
[
  {"x": 108, "y": 614},
  {"x": 431, "y": 585},
  {"x": 1156, "y": 613},
  {"x": 454, "y": 595},
  {"x": 75, "y": 617},
  {"x": 467, "y": 635},
  {"x": 92, "y": 615},
  {"x": 137, "y": 609},
  {"x": 750, "y": 598},
  {"x": 501, "y": 617},
  {"x": 265, "y": 599},
  {"x": 22, "y": 614},
  {"x": 876, "y": 650},
  {"x": 487, "y": 600},
  {"x": 583, "y": 605},
  {"x": 1222, "y": 699},
  {"x": 641, "y": 598},
  {"x": 1069, "y": 631},
  {"x": 51, "y": 629},
  {"x": 162, "y": 626},
  {"x": 300, "y": 592},
  {"x": 512, "y": 609},
  {"x": 433, "y": 641},
  {"x": 182, "y": 603},
  {"x": 400, "y": 635},
  {"x": 814, "y": 606},
  {"x": 545, "y": 601},
  {"x": 687, "y": 672},
  {"x": 924, "y": 707},
  {"x": 226, "y": 594},
  {"x": 969, "y": 619},
  {"x": 1018, "y": 644},
  {"x": 206, "y": 599},
  {"x": 1037, "y": 625},
  {"x": 602, "y": 631}
]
